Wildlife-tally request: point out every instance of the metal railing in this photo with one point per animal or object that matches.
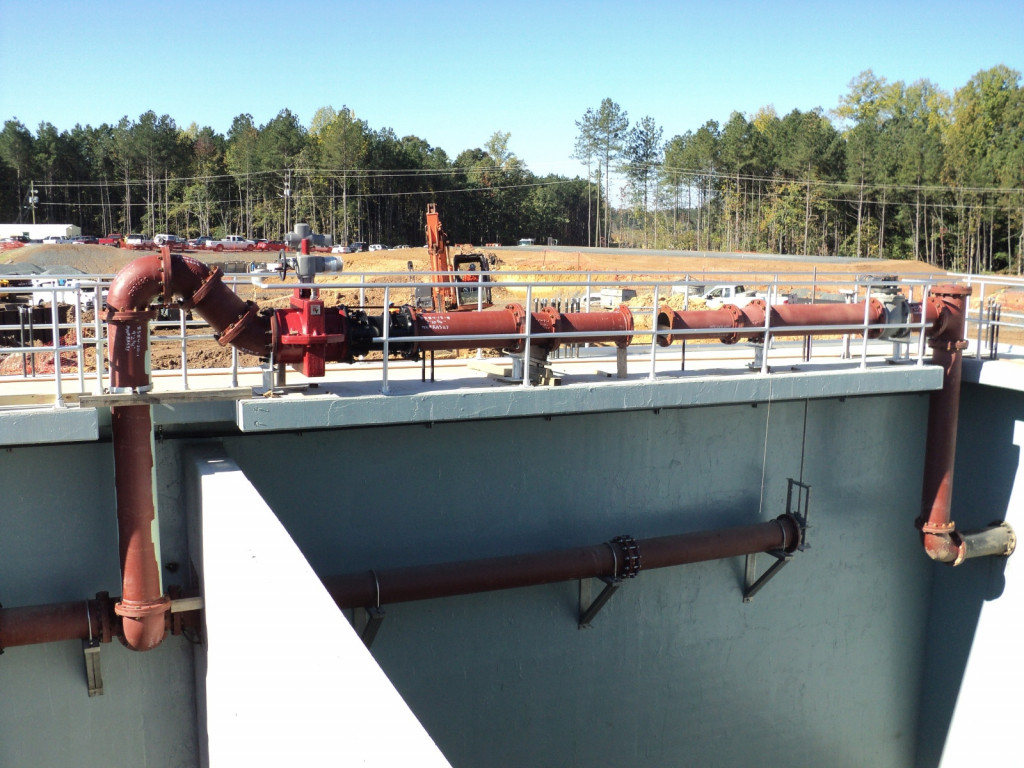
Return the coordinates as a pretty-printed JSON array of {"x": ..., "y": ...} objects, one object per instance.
[
  {"x": 990, "y": 323},
  {"x": 569, "y": 291}
]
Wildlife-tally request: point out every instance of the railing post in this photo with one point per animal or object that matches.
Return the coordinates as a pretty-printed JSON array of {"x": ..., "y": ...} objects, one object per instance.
[
  {"x": 98, "y": 304},
  {"x": 55, "y": 322},
  {"x": 654, "y": 335},
  {"x": 867, "y": 309},
  {"x": 387, "y": 326},
  {"x": 78, "y": 339},
  {"x": 184, "y": 348},
  {"x": 526, "y": 329},
  {"x": 981, "y": 318}
]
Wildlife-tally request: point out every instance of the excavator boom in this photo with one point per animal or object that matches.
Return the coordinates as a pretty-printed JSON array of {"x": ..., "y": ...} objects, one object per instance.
[{"x": 447, "y": 298}]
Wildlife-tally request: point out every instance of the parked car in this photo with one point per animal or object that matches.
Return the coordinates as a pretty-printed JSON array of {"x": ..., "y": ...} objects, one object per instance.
[
  {"x": 136, "y": 240},
  {"x": 357, "y": 247},
  {"x": 113, "y": 239},
  {"x": 55, "y": 240},
  {"x": 84, "y": 240},
  {"x": 16, "y": 239},
  {"x": 164, "y": 239},
  {"x": 339, "y": 248},
  {"x": 231, "y": 243},
  {"x": 378, "y": 247},
  {"x": 199, "y": 242},
  {"x": 270, "y": 245}
]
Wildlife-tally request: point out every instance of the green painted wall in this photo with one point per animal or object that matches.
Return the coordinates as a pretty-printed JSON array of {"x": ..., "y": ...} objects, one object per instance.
[{"x": 824, "y": 667}]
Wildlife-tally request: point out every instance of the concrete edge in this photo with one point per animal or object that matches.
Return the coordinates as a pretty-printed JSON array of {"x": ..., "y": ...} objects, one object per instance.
[{"x": 327, "y": 411}]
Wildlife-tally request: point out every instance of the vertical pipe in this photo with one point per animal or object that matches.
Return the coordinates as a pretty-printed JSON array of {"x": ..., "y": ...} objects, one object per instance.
[
  {"x": 143, "y": 603},
  {"x": 940, "y": 537}
]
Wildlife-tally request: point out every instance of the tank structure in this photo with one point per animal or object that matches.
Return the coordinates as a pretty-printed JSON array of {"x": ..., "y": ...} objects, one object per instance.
[{"x": 506, "y": 564}]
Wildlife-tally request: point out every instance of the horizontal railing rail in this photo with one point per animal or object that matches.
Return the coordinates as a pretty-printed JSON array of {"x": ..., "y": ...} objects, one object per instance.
[{"x": 66, "y": 339}]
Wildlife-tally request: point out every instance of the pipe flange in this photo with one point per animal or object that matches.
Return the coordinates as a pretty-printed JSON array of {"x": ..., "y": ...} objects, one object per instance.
[
  {"x": 876, "y": 309},
  {"x": 738, "y": 321},
  {"x": 211, "y": 282},
  {"x": 632, "y": 561},
  {"x": 166, "y": 268},
  {"x": 128, "y": 315},
  {"x": 516, "y": 346},
  {"x": 234, "y": 330},
  {"x": 1011, "y": 538},
  {"x": 938, "y": 528},
  {"x": 948, "y": 346},
  {"x": 951, "y": 291}
]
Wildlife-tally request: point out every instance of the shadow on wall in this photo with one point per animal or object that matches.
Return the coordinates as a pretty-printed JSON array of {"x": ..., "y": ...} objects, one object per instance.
[{"x": 987, "y": 467}]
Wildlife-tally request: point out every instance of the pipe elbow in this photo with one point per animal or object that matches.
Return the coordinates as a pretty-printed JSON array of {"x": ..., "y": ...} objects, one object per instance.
[
  {"x": 143, "y": 624},
  {"x": 953, "y": 547},
  {"x": 136, "y": 284},
  {"x": 944, "y": 547}
]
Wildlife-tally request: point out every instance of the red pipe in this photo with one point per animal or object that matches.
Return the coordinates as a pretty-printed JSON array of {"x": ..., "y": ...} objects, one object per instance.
[
  {"x": 618, "y": 320},
  {"x": 431, "y": 329},
  {"x": 79, "y": 620},
  {"x": 371, "y": 588},
  {"x": 941, "y": 540},
  {"x": 730, "y": 323},
  {"x": 143, "y": 603},
  {"x": 174, "y": 275},
  {"x": 947, "y": 309},
  {"x": 31, "y": 625}
]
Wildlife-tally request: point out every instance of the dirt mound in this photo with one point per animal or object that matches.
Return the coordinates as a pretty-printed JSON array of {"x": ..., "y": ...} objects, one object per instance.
[{"x": 91, "y": 259}]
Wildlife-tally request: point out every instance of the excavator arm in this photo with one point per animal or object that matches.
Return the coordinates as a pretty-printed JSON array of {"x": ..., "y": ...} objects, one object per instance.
[{"x": 445, "y": 297}]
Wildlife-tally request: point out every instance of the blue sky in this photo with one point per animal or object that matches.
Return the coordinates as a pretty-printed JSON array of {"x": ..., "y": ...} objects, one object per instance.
[{"x": 453, "y": 73}]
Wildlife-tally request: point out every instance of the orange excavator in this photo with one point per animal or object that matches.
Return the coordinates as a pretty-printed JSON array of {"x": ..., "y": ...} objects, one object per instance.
[{"x": 471, "y": 273}]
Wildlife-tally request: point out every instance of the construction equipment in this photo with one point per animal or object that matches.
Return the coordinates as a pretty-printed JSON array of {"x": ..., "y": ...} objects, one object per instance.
[{"x": 471, "y": 269}]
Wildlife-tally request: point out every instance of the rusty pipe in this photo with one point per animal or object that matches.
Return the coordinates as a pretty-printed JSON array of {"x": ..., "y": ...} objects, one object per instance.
[
  {"x": 947, "y": 308},
  {"x": 730, "y": 323},
  {"x": 198, "y": 287},
  {"x": 143, "y": 603},
  {"x": 431, "y": 330},
  {"x": 34, "y": 624},
  {"x": 372, "y": 588},
  {"x": 94, "y": 619}
]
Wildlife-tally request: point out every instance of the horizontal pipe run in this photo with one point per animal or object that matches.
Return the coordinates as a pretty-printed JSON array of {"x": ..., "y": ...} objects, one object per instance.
[
  {"x": 374, "y": 588},
  {"x": 94, "y": 619},
  {"x": 34, "y": 624},
  {"x": 730, "y": 323}
]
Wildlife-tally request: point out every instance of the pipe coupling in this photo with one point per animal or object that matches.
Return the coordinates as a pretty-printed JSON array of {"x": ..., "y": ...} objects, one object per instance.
[
  {"x": 140, "y": 609},
  {"x": 629, "y": 553}
]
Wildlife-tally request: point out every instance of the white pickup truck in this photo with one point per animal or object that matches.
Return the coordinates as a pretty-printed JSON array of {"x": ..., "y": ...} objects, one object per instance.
[
  {"x": 231, "y": 243},
  {"x": 718, "y": 295}
]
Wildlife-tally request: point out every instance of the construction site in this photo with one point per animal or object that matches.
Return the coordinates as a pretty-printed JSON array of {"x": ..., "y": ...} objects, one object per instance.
[{"x": 508, "y": 506}]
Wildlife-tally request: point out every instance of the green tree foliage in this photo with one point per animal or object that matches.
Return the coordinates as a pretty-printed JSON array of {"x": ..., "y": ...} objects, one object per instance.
[
  {"x": 602, "y": 134},
  {"x": 642, "y": 157},
  {"x": 895, "y": 170}
]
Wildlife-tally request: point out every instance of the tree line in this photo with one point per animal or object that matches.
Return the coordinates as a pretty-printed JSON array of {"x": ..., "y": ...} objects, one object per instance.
[
  {"x": 338, "y": 175},
  {"x": 893, "y": 171}
]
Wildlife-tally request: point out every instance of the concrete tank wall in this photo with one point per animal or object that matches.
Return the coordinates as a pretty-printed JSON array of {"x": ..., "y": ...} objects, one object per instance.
[
  {"x": 823, "y": 667},
  {"x": 676, "y": 670}
]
